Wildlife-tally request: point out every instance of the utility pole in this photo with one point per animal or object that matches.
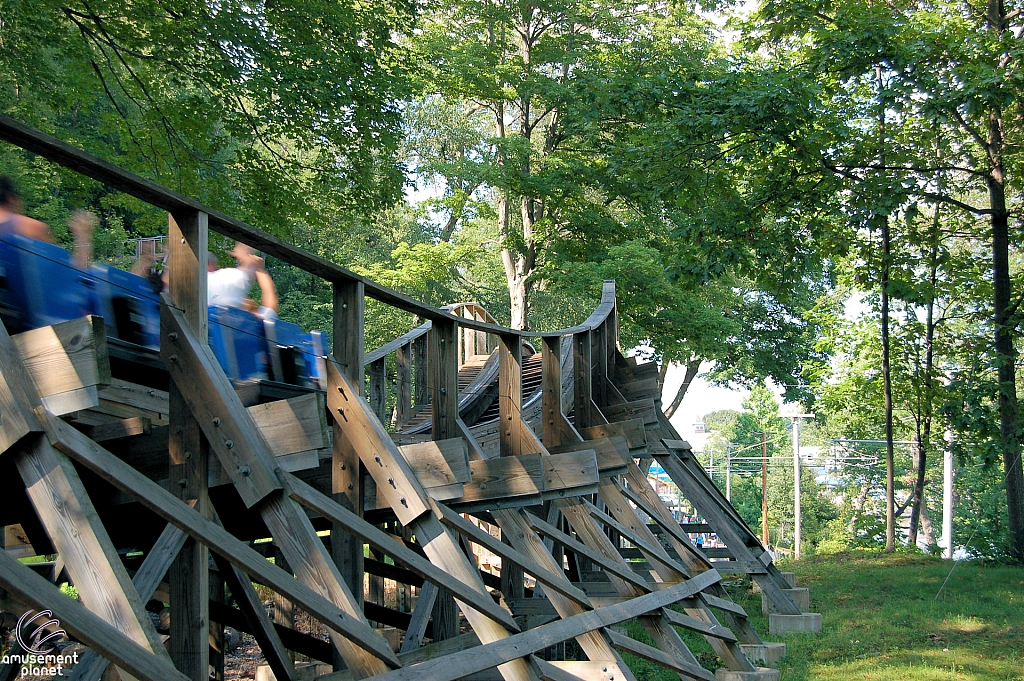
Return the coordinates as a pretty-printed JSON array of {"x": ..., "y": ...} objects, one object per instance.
[
  {"x": 728, "y": 472},
  {"x": 947, "y": 497},
  {"x": 764, "y": 489},
  {"x": 796, "y": 482}
]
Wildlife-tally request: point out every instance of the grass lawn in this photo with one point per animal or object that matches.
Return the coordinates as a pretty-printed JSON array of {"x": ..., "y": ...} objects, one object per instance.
[{"x": 882, "y": 621}]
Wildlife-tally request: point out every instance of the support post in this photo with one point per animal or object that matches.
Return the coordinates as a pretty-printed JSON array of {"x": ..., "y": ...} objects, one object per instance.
[
  {"x": 443, "y": 375},
  {"x": 346, "y": 475},
  {"x": 797, "y": 525},
  {"x": 403, "y": 386},
  {"x": 764, "y": 489},
  {"x": 583, "y": 393},
  {"x": 551, "y": 396},
  {"x": 189, "y": 576},
  {"x": 510, "y": 395}
]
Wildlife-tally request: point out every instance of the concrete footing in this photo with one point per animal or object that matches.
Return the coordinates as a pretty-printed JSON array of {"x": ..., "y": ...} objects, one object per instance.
[
  {"x": 761, "y": 674},
  {"x": 807, "y": 623},
  {"x": 766, "y": 653},
  {"x": 802, "y": 598}
]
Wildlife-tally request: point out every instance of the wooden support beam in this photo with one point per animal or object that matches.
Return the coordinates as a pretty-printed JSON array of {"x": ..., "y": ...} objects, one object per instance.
[
  {"x": 582, "y": 381},
  {"x": 443, "y": 376},
  {"x": 67, "y": 362},
  {"x": 403, "y": 385},
  {"x": 188, "y": 447},
  {"x": 118, "y": 430},
  {"x": 379, "y": 389},
  {"x": 420, "y": 618},
  {"x": 152, "y": 496},
  {"x": 149, "y": 576},
  {"x": 516, "y": 526},
  {"x": 510, "y": 396},
  {"x": 551, "y": 392},
  {"x": 346, "y": 470},
  {"x": 263, "y": 629},
  {"x": 309, "y": 497},
  {"x": 543, "y": 574},
  {"x": 477, "y": 659},
  {"x": 652, "y": 654},
  {"x": 84, "y": 625}
]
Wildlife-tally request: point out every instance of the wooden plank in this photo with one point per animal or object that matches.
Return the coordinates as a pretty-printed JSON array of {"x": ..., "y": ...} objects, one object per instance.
[
  {"x": 118, "y": 430},
  {"x": 152, "y": 496},
  {"x": 385, "y": 464},
  {"x": 646, "y": 388},
  {"x": 228, "y": 427},
  {"x": 570, "y": 469},
  {"x": 188, "y": 450},
  {"x": 652, "y": 654},
  {"x": 138, "y": 396},
  {"x": 612, "y": 453},
  {"x": 298, "y": 424},
  {"x": 457, "y": 665},
  {"x": 505, "y": 477},
  {"x": 639, "y": 409},
  {"x": 439, "y": 462},
  {"x": 443, "y": 377},
  {"x": 87, "y": 627},
  {"x": 393, "y": 346},
  {"x": 403, "y": 385},
  {"x": 544, "y": 575},
  {"x": 633, "y": 430},
  {"x": 510, "y": 395},
  {"x": 723, "y": 604},
  {"x": 309, "y": 497},
  {"x": 604, "y": 670},
  {"x": 17, "y": 395},
  {"x": 66, "y": 361}
]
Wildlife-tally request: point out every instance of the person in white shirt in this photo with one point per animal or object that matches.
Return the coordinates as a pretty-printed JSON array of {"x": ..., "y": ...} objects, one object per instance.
[{"x": 230, "y": 286}]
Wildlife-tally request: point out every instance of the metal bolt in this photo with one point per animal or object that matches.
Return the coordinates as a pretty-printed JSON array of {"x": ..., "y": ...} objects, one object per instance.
[
  {"x": 183, "y": 483},
  {"x": 391, "y": 481},
  {"x": 177, "y": 429},
  {"x": 350, "y": 487},
  {"x": 403, "y": 502},
  {"x": 174, "y": 359},
  {"x": 344, "y": 306},
  {"x": 188, "y": 455},
  {"x": 173, "y": 335},
  {"x": 245, "y": 470},
  {"x": 379, "y": 463},
  {"x": 216, "y": 421},
  {"x": 182, "y": 239},
  {"x": 229, "y": 444},
  {"x": 342, "y": 466},
  {"x": 444, "y": 391}
]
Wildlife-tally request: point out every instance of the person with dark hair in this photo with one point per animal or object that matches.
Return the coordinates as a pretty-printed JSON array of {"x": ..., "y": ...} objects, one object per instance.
[{"x": 81, "y": 223}]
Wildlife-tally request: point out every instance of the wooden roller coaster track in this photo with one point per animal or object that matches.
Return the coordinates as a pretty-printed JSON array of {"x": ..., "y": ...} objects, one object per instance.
[{"x": 168, "y": 483}]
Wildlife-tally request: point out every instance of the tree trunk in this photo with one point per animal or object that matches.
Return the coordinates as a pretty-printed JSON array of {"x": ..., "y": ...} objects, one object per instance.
[
  {"x": 924, "y": 436},
  {"x": 927, "y": 530},
  {"x": 1005, "y": 352},
  {"x": 692, "y": 367}
]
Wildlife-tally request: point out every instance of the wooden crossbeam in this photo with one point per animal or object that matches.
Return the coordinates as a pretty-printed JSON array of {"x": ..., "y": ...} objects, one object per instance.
[
  {"x": 616, "y": 568},
  {"x": 652, "y": 654},
  {"x": 542, "y": 574},
  {"x": 457, "y": 665},
  {"x": 87, "y": 627},
  {"x": 152, "y": 496},
  {"x": 311, "y": 498}
]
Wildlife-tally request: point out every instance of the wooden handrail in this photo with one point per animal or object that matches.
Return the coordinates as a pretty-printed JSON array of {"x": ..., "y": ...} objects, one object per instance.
[{"x": 130, "y": 183}]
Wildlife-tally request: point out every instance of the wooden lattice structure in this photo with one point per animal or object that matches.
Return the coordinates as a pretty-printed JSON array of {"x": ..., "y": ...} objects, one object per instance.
[{"x": 152, "y": 477}]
